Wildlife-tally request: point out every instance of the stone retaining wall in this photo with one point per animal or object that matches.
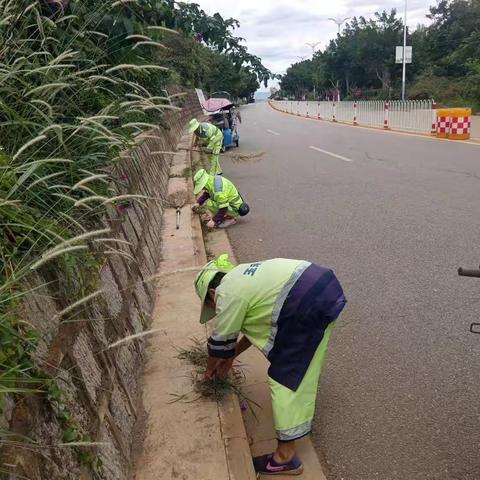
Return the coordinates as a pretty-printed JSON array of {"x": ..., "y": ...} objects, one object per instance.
[{"x": 101, "y": 387}]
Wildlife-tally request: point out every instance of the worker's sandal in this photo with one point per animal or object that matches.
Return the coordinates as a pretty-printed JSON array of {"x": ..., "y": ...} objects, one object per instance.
[
  {"x": 228, "y": 222},
  {"x": 266, "y": 465}
]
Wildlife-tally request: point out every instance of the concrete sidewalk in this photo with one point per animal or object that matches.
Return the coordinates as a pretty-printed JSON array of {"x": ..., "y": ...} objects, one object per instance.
[
  {"x": 260, "y": 430},
  {"x": 475, "y": 131},
  {"x": 199, "y": 440}
]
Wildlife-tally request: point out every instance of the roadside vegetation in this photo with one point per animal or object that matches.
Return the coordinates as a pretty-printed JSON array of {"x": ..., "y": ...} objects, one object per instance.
[
  {"x": 79, "y": 81},
  {"x": 360, "y": 62}
]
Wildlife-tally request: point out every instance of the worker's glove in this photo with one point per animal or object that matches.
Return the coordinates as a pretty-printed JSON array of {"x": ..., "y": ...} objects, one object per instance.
[
  {"x": 196, "y": 207},
  {"x": 208, "y": 151},
  {"x": 211, "y": 224}
]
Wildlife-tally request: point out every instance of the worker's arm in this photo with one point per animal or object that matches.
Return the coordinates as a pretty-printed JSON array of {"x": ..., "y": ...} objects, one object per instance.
[
  {"x": 219, "y": 367},
  {"x": 222, "y": 203},
  {"x": 220, "y": 216},
  {"x": 243, "y": 344},
  {"x": 222, "y": 344},
  {"x": 215, "y": 141},
  {"x": 203, "y": 198},
  {"x": 210, "y": 143}
]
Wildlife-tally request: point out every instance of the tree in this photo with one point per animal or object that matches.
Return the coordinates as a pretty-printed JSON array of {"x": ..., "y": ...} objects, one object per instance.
[
  {"x": 298, "y": 80},
  {"x": 198, "y": 31},
  {"x": 361, "y": 60}
]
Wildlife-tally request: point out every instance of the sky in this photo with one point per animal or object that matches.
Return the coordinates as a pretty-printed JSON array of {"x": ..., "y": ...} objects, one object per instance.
[{"x": 278, "y": 30}]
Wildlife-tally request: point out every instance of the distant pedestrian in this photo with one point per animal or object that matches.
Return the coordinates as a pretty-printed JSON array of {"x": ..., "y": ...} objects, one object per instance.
[
  {"x": 221, "y": 198},
  {"x": 287, "y": 309},
  {"x": 214, "y": 138},
  {"x": 235, "y": 118}
]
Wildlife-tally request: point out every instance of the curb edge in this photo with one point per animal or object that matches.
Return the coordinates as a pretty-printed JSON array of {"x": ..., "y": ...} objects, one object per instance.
[{"x": 234, "y": 434}]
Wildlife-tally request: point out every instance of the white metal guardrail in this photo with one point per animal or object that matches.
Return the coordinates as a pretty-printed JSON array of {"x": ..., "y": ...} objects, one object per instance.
[{"x": 412, "y": 115}]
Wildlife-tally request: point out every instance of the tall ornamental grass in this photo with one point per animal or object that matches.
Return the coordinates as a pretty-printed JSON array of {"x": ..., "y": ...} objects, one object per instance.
[{"x": 69, "y": 106}]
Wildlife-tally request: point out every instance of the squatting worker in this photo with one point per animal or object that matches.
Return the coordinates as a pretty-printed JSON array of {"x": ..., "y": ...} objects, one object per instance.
[
  {"x": 221, "y": 198},
  {"x": 287, "y": 309},
  {"x": 213, "y": 136}
]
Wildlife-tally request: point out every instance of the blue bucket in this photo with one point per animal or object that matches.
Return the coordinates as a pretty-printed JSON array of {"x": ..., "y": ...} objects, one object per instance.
[{"x": 227, "y": 137}]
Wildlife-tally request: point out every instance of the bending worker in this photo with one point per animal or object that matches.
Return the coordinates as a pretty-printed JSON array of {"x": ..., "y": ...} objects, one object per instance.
[
  {"x": 287, "y": 309},
  {"x": 213, "y": 136},
  {"x": 221, "y": 198}
]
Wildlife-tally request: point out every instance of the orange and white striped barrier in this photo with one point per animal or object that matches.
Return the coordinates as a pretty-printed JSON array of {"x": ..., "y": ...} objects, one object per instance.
[
  {"x": 434, "y": 118},
  {"x": 454, "y": 123},
  {"x": 421, "y": 116},
  {"x": 387, "y": 112}
]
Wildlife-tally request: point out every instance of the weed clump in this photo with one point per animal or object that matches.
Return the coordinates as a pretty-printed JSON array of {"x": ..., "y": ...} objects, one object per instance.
[{"x": 216, "y": 389}]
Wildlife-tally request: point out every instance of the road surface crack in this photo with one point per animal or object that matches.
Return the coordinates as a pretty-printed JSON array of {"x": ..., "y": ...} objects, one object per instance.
[
  {"x": 380, "y": 159},
  {"x": 466, "y": 174}
]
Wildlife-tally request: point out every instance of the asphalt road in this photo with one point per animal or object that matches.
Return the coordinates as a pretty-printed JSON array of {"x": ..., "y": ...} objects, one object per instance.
[{"x": 395, "y": 216}]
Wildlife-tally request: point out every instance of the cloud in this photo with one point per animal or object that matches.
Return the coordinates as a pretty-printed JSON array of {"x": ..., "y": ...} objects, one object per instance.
[
  {"x": 278, "y": 30},
  {"x": 287, "y": 15}
]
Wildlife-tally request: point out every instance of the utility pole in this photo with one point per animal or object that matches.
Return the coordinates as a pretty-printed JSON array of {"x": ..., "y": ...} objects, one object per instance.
[
  {"x": 339, "y": 22},
  {"x": 404, "y": 72},
  {"x": 313, "y": 46}
]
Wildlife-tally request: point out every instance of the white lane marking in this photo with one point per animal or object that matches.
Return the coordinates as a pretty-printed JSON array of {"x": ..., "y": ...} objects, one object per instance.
[
  {"x": 334, "y": 155},
  {"x": 272, "y": 132}
]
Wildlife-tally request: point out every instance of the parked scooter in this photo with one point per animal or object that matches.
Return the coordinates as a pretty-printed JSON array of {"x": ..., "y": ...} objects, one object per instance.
[{"x": 463, "y": 272}]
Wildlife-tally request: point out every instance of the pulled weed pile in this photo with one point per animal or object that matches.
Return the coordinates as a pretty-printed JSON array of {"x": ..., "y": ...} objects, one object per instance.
[
  {"x": 246, "y": 157},
  {"x": 218, "y": 388}
]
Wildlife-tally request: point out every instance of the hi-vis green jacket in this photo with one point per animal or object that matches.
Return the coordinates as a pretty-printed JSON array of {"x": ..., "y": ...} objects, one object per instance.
[
  {"x": 223, "y": 192},
  {"x": 213, "y": 135}
]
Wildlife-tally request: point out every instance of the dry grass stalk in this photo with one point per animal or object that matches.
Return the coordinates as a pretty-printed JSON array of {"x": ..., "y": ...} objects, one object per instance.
[
  {"x": 76, "y": 304},
  {"x": 130, "y": 338}
]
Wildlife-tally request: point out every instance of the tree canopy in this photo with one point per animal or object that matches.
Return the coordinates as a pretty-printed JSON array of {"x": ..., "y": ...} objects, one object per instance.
[
  {"x": 360, "y": 62},
  {"x": 207, "y": 54}
]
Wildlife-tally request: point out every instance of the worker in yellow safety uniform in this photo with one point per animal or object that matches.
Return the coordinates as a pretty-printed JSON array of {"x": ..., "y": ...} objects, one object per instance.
[
  {"x": 213, "y": 136},
  {"x": 221, "y": 198},
  {"x": 287, "y": 309}
]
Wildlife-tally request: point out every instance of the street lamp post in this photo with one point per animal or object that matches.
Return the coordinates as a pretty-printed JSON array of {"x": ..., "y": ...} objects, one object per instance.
[
  {"x": 339, "y": 22},
  {"x": 313, "y": 46},
  {"x": 404, "y": 71}
]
